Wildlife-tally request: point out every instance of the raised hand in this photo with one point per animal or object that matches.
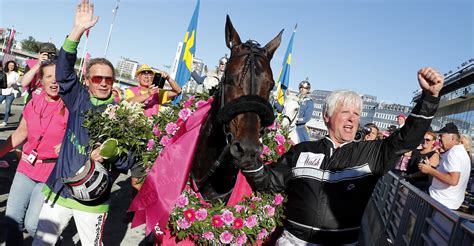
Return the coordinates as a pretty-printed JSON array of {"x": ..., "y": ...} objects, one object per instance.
[
  {"x": 430, "y": 81},
  {"x": 83, "y": 20}
]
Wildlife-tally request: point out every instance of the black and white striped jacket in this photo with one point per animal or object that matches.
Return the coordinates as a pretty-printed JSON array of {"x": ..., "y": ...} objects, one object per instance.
[{"x": 328, "y": 188}]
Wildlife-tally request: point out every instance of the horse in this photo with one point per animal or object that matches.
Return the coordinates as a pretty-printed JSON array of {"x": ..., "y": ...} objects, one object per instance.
[
  {"x": 237, "y": 118},
  {"x": 290, "y": 112}
]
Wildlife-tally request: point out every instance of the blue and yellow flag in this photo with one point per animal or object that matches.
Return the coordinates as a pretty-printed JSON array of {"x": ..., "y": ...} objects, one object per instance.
[
  {"x": 284, "y": 75},
  {"x": 185, "y": 65}
]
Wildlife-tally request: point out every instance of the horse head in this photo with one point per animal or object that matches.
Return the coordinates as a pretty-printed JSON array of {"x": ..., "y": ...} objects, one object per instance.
[
  {"x": 246, "y": 86},
  {"x": 290, "y": 110}
]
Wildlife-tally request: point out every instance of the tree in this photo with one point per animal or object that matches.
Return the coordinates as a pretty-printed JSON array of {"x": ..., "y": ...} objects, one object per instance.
[{"x": 30, "y": 45}]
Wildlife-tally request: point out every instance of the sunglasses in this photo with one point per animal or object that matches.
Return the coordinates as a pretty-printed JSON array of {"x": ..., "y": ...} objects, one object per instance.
[
  {"x": 428, "y": 140},
  {"x": 98, "y": 80},
  {"x": 302, "y": 87},
  {"x": 147, "y": 73}
]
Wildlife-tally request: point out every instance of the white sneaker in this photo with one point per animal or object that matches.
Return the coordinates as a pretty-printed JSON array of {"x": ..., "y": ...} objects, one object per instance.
[{"x": 3, "y": 124}]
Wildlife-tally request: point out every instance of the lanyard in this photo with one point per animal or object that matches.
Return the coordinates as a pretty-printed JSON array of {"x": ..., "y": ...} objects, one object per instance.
[{"x": 41, "y": 116}]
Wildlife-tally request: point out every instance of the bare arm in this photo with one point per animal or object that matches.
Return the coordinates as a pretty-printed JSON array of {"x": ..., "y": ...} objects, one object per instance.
[
  {"x": 83, "y": 20},
  {"x": 17, "y": 138},
  {"x": 450, "y": 178},
  {"x": 25, "y": 80},
  {"x": 175, "y": 88}
]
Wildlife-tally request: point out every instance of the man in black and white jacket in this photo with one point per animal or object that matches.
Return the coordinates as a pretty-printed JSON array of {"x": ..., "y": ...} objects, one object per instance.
[{"x": 329, "y": 182}]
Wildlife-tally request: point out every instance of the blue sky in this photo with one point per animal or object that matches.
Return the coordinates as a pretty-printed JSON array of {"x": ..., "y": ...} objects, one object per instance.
[{"x": 370, "y": 46}]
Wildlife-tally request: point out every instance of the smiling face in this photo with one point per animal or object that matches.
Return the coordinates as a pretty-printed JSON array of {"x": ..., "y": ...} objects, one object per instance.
[
  {"x": 48, "y": 79},
  {"x": 343, "y": 123},
  {"x": 100, "y": 80},
  {"x": 145, "y": 78}
]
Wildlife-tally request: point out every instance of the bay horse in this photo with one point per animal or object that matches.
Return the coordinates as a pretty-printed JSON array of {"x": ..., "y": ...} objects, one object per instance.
[{"x": 238, "y": 115}]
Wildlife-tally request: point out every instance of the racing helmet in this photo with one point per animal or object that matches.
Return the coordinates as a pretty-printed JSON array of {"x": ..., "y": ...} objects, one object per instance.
[
  {"x": 224, "y": 60},
  {"x": 305, "y": 83},
  {"x": 89, "y": 183}
]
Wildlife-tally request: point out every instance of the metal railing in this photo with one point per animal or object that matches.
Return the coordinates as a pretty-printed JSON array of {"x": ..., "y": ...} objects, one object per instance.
[{"x": 409, "y": 216}]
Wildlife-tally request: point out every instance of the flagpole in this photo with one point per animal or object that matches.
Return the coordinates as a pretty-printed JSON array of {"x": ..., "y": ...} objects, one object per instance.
[{"x": 114, "y": 11}]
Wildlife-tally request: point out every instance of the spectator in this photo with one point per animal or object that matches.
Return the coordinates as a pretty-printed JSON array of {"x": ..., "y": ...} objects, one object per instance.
[
  {"x": 374, "y": 132},
  {"x": 30, "y": 81},
  {"x": 87, "y": 200},
  {"x": 402, "y": 164},
  {"x": 8, "y": 94},
  {"x": 305, "y": 112},
  {"x": 401, "y": 120},
  {"x": 42, "y": 127},
  {"x": 212, "y": 78},
  {"x": 466, "y": 142},
  {"x": 329, "y": 182},
  {"x": 414, "y": 175},
  {"x": 451, "y": 177},
  {"x": 152, "y": 97}
]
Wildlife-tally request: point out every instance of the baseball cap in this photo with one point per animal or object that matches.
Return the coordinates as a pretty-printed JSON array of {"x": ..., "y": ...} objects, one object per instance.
[
  {"x": 449, "y": 128},
  {"x": 143, "y": 68},
  {"x": 47, "y": 48}
]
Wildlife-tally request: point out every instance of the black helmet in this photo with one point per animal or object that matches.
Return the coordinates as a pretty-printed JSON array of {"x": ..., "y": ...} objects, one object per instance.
[
  {"x": 305, "y": 83},
  {"x": 89, "y": 183}
]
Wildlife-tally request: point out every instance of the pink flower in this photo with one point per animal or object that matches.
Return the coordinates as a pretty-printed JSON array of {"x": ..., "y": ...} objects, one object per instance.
[
  {"x": 272, "y": 126},
  {"x": 190, "y": 214},
  {"x": 227, "y": 217},
  {"x": 165, "y": 140},
  {"x": 200, "y": 104},
  {"x": 241, "y": 239},
  {"x": 184, "y": 113},
  {"x": 156, "y": 131},
  {"x": 208, "y": 235},
  {"x": 238, "y": 223},
  {"x": 280, "y": 149},
  {"x": 187, "y": 104},
  {"x": 183, "y": 223},
  {"x": 256, "y": 199},
  {"x": 251, "y": 221},
  {"x": 151, "y": 143},
  {"x": 269, "y": 210},
  {"x": 171, "y": 128},
  {"x": 239, "y": 208},
  {"x": 191, "y": 98},
  {"x": 262, "y": 234},
  {"x": 280, "y": 139},
  {"x": 217, "y": 221},
  {"x": 210, "y": 99},
  {"x": 201, "y": 214},
  {"x": 278, "y": 199},
  {"x": 291, "y": 142},
  {"x": 265, "y": 150},
  {"x": 226, "y": 237},
  {"x": 182, "y": 201}
]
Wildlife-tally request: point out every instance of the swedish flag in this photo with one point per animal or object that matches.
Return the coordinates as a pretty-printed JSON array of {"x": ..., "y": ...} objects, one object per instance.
[
  {"x": 185, "y": 65},
  {"x": 284, "y": 75}
]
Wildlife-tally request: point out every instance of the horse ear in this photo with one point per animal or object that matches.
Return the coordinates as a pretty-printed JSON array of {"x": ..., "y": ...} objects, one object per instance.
[
  {"x": 232, "y": 38},
  {"x": 273, "y": 45}
]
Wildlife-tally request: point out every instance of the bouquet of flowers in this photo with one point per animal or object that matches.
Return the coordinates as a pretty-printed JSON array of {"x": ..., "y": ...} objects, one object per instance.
[
  {"x": 275, "y": 142},
  {"x": 250, "y": 220},
  {"x": 120, "y": 129},
  {"x": 167, "y": 123}
]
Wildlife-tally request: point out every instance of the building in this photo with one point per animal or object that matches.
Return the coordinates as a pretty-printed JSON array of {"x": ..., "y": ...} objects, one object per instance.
[
  {"x": 457, "y": 99},
  {"x": 126, "y": 68}
]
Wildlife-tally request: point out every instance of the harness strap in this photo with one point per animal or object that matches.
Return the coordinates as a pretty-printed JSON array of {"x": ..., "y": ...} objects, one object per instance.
[{"x": 215, "y": 165}]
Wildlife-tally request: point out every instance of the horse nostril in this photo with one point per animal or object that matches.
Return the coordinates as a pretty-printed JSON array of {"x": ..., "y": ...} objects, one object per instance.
[{"x": 236, "y": 149}]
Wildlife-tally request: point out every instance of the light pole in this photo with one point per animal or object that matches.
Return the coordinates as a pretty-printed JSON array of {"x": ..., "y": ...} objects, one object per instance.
[{"x": 114, "y": 12}]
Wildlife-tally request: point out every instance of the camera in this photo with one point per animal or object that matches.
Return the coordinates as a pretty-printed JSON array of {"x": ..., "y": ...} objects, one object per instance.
[
  {"x": 159, "y": 81},
  {"x": 52, "y": 56},
  {"x": 361, "y": 133}
]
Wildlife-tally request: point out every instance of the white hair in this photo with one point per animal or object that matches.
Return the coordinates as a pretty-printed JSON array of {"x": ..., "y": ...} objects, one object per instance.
[{"x": 343, "y": 97}]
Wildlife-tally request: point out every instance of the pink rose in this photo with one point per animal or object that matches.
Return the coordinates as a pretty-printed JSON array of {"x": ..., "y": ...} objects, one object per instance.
[
  {"x": 251, "y": 221},
  {"x": 269, "y": 210},
  {"x": 241, "y": 239},
  {"x": 262, "y": 234},
  {"x": 278, "y": 199},
  {"x": 184, "y": 113},
  {"x": 156, "y": 131},
  {"x": 265, "y": 150},
  {"x": 226, "y": 237},
  {"x": 227, "y": 217},
  {"x": 165, "y": 140},
  {"x": 280, "y": 149},
  {"x": 171, "y": 128},
  {"x": 217, "y": 221},
  {"x": 201, "y": 214},
  {"x": 238, "y": 223},
  {"x": 182, "y": 201},
  {"x": 190, "y": 214},
  {"x": 200, "y": 104},
  {"x": 151, "y": 143},
  {"x": 183, "y": 223},
  {"x": 280, "y": 139},
  {"x": 208, "y": 235}
]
